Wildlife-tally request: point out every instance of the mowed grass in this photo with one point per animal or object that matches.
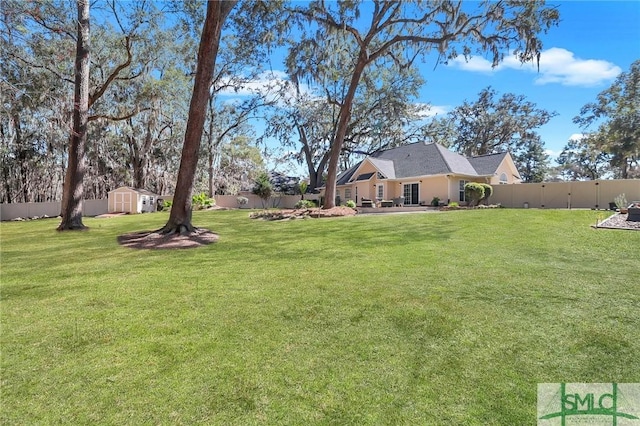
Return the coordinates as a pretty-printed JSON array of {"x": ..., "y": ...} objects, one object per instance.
[{"x": 446, "y": 318}]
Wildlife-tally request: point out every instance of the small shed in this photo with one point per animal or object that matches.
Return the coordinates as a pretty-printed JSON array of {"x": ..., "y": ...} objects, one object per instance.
[{"x": 131, "y": 200}]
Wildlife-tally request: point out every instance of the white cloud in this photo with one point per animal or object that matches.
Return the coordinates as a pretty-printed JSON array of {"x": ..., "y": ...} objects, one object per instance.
[
  {"x": 474, "y": 64},
  {"x": 557, "y": 65},
  {"x": 577, "y": 136},
  {"x": 275, "y": 86},
  {"x": 263, "y": 83},
  {"x": 561, "y": 66},
  {"x": 427, "y": 110},
  {"x": 552, "y": 153}
]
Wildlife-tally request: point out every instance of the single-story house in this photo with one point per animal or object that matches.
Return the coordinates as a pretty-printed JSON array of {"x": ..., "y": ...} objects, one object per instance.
[
  {"x": 131, "y": 200},
  {"x": 414, "y": 174}
]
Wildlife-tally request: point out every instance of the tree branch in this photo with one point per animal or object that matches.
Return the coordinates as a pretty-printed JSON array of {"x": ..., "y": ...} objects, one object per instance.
[
  {"x": 116, "y": 118},
  {"x": 97, "y": 95},
  {"x": 44, "y": 67}
]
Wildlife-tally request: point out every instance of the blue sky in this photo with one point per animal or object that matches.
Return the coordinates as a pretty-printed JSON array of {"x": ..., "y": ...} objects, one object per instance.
[{"x": 595, "y": 41}]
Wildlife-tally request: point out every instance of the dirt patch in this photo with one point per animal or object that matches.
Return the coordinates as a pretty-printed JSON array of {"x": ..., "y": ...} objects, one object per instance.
[
  {"x": 303, "y": 213},
  {"x": 155, "y": 241}
]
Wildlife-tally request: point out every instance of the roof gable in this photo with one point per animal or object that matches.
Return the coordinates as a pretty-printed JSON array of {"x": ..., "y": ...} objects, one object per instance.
[
  {"x": 424, "y": 159},
  {"x": 487, "y": 164},
  {"x": 420, "y": 159},
  {"x": 345, "y": 177},
  {"x": 386, "y": 167}
]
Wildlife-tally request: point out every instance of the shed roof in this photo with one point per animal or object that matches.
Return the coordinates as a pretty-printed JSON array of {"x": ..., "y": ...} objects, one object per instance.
[{"x": 137, "y": 190}]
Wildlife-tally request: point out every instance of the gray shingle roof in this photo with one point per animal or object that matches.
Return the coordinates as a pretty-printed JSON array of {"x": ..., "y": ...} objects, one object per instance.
[
  {"x": 386, "y": 167},
  {"x": 421, "y": 159},
  {"x": 487, "y": 164},
  {"x": 344, "y": 177}
]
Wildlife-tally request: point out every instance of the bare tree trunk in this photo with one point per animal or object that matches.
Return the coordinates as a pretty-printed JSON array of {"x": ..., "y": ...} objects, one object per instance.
[
  {"x": 180, "y": 218},
  {"x": 210, "y": 148},
  {"x": 73, "y": 191},
  {"x": 338, "y": 140},
  {"x": 22, "y": 155}
]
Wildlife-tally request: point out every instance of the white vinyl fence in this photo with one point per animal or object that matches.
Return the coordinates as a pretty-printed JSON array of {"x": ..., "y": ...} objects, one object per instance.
[
  {"x": 98, "y": 207},
  {"x": 596, "y": 194},
  {"x": 553, "y": 195},
  {"x": 52, "y": 209}
]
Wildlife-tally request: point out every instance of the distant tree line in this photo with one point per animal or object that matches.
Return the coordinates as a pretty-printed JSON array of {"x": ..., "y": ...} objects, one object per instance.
[
  {"x": 348, "y": 91},
  {"x": 140, "y": 80}
]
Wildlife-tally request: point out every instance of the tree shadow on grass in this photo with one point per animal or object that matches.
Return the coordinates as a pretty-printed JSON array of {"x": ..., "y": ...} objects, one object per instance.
[{"x": 154, "y": 240}]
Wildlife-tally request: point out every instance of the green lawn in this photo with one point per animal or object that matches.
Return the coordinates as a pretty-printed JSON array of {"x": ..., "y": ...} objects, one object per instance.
[{"x": 449, "y": 318}]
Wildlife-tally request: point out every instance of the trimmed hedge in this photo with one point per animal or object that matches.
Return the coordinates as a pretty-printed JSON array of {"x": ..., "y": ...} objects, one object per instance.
[{"x": 474, "y": 192}]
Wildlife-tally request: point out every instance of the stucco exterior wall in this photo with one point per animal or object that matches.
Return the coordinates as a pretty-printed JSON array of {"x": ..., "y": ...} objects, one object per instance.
[
  {"x": 443, "y": 187},
  {"x": 509, "y": 169},
  {"x": 359, "y": 190}
]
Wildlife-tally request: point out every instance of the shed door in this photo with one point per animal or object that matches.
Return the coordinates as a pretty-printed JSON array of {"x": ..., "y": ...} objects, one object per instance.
[{"x": 122, "y": 202}]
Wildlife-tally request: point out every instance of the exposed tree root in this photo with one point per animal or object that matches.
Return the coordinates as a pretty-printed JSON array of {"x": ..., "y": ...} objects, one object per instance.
[
  {"x": 180, "y": 229},
  {"x": 72, "y": 227},
  {"x": 174, "y": 238}
]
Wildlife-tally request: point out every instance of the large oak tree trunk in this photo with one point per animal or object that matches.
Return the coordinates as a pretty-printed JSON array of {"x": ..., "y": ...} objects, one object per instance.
[
  {"x": 338, "y": 140},
  {"x": 180, "y": 217},
  {"x": 73, "y": 191}
]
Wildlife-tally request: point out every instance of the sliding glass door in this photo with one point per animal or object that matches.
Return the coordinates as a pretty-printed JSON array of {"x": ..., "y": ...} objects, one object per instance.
[{"x": 410, "y": 193}]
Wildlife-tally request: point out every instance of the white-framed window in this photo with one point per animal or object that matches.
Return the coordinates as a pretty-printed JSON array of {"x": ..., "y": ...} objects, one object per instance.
[
  {"x": 503, "y": 179},
  {"x": 461, "y": 187},
  {"x": 380, "y": 192},
  {"x": 347, "y": 194}
]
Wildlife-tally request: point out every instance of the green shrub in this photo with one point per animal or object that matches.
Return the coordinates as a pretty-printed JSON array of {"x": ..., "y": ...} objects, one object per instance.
[
  {"x": 435, "y": 202},
  {"x": 304, "y": 204},
  {"x": 303, "y": 187},
  {"x": 168, "y": 204},
  {"x": 474, "y": 192},
  {"x": 453, "y": 204},
  {"x": 202, "y": 201},
  {"x": 263, "y": 189},
  {"x": 351, "y": 203},
  {"x": 488, "y": 190}
]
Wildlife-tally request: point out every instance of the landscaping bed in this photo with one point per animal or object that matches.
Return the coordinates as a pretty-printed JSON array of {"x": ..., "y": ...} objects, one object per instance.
[
  {"x": 619, "y": 221},
  {"x": 303, "y": 213}
]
